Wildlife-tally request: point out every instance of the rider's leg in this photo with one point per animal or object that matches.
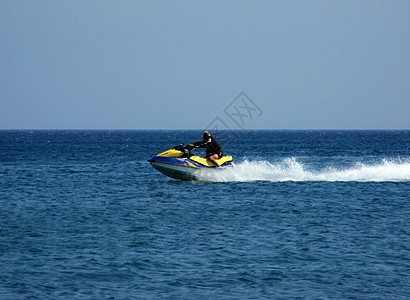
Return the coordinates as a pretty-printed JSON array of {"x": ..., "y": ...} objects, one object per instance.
[{"x": 213, "y": 158}]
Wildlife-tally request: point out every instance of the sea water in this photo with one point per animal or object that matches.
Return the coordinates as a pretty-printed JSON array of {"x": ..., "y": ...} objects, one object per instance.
[{"x": 302, "y": 215}]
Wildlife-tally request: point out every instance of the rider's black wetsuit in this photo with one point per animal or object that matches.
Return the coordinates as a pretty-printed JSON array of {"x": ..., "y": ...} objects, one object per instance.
[{"x": 212, "y": 147}]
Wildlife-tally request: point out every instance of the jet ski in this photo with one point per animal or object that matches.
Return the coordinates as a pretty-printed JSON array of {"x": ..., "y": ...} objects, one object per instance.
[{"x": 180, "y": 163}]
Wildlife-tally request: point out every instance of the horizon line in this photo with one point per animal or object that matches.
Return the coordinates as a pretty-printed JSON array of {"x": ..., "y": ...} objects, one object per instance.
[{"x": 199, "y": 129}]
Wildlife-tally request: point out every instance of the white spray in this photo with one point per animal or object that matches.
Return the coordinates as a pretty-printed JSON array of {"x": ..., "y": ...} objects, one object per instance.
[{"x": 291, "y": 170}]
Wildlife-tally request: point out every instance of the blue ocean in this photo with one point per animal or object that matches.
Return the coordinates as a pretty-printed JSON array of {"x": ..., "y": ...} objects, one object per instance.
[{"x": 301, "y": 215}]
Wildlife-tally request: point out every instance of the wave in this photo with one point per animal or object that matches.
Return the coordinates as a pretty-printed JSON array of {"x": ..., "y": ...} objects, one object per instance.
[{"x": 291, "y": 170}]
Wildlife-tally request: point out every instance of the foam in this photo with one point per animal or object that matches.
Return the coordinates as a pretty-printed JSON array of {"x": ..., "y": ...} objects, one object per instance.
[{"x": 291, "y": 170}]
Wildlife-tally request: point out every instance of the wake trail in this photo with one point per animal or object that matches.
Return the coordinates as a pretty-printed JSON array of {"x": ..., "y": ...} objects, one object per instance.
[{"x": 291, "y": 170}]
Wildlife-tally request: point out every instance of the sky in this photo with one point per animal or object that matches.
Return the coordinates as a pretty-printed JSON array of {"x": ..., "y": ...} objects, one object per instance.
[{"x": 203, "y": 64}]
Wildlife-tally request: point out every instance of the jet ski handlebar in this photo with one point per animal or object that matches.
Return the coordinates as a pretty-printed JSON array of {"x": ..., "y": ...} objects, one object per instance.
[{"x": 187, "y": 149}]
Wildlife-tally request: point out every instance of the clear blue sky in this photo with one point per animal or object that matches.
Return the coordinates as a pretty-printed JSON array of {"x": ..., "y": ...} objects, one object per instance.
[{"x": 179, "y": 64}]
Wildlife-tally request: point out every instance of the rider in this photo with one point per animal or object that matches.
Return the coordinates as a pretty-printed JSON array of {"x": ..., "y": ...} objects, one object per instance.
[{"x": 213, "y": 149}]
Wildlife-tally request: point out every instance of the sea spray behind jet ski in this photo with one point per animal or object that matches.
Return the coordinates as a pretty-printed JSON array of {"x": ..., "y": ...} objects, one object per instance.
[{"x": 180, "y": 163}]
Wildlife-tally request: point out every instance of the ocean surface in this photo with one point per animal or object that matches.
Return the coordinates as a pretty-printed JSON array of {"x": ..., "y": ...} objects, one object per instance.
[{"x": 302, "y": 215}]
